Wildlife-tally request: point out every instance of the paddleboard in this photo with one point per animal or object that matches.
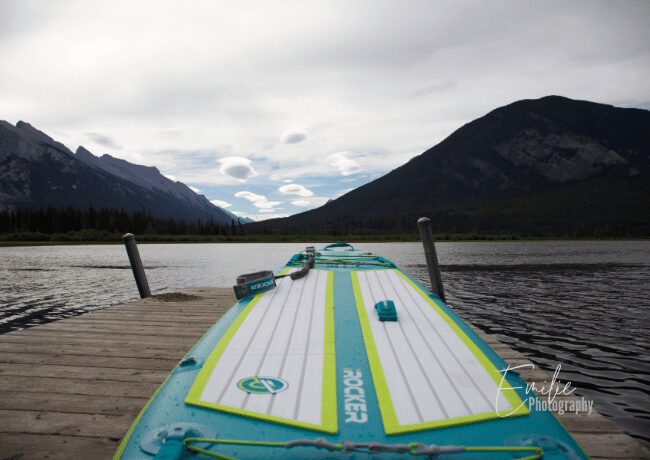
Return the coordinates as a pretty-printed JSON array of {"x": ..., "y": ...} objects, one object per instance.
[{"x": 354, "y": 359}]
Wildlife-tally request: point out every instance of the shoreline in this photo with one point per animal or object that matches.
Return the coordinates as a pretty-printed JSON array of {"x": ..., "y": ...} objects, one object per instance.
[{"x": 192, "y": 239}]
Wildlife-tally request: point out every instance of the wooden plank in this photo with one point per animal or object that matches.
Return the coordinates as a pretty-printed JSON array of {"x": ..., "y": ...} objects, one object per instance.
[
  {"x": 153, "y": 321},
  {"x": 141, "y": 329},
  {"x": 153, "y": 314},
  {"x": 159, "y": 312},
  {"x": 83, "y": 373},
  {"x": 137, "y": 331},
  {"x": 132, "y": 315},
  {"x": 96, "y": 351},
  {"x": 103, "y": 335},
  {"x": 46, "y": 385},
  {"x": 121, "y": 362},
  {"x": 71, "y": 338},
  {"x": 583, "y": 423},
  {"x": 599, "y": 457},
  {"x": 205, "y": 302},
  {"x": 27, "y": 446},
  {"x": 205, "y": 320},
  {"x": 65, "y": 423},
  {"x": 75, "y": 403},
  {"x": 613, "y": 445}
]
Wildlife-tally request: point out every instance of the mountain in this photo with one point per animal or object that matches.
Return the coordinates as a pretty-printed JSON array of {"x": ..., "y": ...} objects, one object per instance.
[
  {"x": 38, "y": 172},
  {"x": 150, "y": 178},
  {"x": 243, "y": 220},
  {"x": 549, "y": 166}
]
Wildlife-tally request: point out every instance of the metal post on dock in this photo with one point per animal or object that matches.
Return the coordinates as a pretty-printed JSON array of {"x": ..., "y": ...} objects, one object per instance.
[
  {"x": 136, "y": 265},
  {"x": 424, "y": 224}
]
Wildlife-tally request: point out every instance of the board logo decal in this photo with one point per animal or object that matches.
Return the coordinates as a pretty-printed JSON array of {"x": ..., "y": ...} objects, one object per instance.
[{"x": 262, "y": 385}]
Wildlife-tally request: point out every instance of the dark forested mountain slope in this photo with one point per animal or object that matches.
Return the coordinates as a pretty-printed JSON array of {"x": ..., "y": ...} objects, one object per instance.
[{"x": 550, "y": 166}]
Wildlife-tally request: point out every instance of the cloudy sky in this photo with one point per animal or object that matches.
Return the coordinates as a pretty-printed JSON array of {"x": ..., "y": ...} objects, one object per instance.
[{"x": 273, "y": 107}]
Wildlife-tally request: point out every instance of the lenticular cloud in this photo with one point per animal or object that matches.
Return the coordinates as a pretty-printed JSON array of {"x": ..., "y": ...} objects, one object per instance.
[
  {"x": 295, "y": 189},
  {"x": 346, "y": 165},
  {"x": 293, "y": 136},
  {"x": 237, "y": 167}
]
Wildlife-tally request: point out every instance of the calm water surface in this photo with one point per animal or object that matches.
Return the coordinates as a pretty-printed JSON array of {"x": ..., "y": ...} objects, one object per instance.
[{"x": 585, "y": 305}]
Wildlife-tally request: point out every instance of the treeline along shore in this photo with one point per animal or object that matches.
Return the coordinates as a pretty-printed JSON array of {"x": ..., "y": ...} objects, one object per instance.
[
  {"x": 103, "y": 223},
  {"x": 73, "y": 226}
]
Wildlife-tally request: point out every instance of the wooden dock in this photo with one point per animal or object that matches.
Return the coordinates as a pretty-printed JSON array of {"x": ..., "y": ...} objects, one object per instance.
[{"x": 72, "y": 388}]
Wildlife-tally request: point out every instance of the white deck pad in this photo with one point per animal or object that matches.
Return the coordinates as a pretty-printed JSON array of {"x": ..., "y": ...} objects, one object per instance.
[
  {"x": 276, "y": 362},
  {"x": 427, "y": 372}
]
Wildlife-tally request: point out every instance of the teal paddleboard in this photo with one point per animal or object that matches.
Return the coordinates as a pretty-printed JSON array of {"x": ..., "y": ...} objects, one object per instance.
[{"x": 349, "y": 359}]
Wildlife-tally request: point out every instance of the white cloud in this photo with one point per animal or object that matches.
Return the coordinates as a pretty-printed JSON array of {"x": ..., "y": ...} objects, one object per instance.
[
  {"x": 270, "y": 205},
  {"x": 259, "y": 201},
  {"x": 250, "y": 196},
  {"x": 313, "y": 202},
  {"x": 295, "y": 189},
  {"x": 170, "y": 177},
  {"x": 237, "y": 167},
  {"x": 293, "y": 136},
  {"x": 346, "y": 165},
  {"x": 287, "y": 181},
  {"x": 194, "y": 189},
  {"x": 221, "y": 203}
]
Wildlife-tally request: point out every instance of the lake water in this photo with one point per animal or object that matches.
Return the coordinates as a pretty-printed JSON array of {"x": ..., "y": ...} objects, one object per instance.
[{"x": 585, "y": 305}]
